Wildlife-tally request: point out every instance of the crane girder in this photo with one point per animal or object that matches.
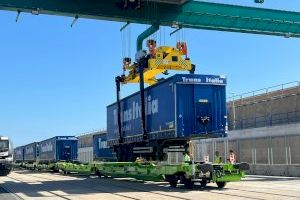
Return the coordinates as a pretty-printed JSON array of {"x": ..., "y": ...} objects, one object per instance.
[
  {"x": 169, "y": 1},
  {"x": 190, "y": 14}
]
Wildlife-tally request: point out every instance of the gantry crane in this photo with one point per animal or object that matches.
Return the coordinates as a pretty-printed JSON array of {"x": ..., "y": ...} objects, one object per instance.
[{"x": 173, "y": 13}]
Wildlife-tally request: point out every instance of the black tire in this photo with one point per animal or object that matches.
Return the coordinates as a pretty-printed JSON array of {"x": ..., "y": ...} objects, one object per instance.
[
  {"x": 54, "y": 170},
  {"x": 172, "y": 180},
  {"x": 203, "y": 183},
  {"x": 188, "y": 184},
  {"x": 221, "y": 184},
  {"x": 99, "y": 174},
  {"x": 173, "y": 183},
  {"x": 181, "y": 179}
]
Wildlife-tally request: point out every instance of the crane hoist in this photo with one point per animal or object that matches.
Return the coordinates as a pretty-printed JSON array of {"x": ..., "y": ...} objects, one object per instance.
[
  {"x": 145, "y": 69},
  {"x": 156, "y": 61}
]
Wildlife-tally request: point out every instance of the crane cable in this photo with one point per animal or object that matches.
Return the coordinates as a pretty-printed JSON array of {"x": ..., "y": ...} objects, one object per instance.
[{"x": 126, "y": 43}]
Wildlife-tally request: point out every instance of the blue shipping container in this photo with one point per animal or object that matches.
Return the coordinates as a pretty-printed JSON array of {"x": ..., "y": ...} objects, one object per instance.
[
  {"x": 58, "y": 148},
  {"x": 19, "y": 154},
  {"x": 30, "y": 152},
  {"x": 182, "y": 106},
  {"x": 102, "y": 152}
]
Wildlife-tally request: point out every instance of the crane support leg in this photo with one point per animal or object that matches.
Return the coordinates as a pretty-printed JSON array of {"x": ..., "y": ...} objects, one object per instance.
[
  {"x": 142, "y": 65},
  {"x": 118, "y": 86},
  {"x": 143, "y": 110}
]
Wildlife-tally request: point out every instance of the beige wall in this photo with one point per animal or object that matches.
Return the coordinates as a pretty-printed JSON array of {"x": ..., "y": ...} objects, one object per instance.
[
  {"x": 265, "y": 109},
  {"x": 270, "y": 150}
]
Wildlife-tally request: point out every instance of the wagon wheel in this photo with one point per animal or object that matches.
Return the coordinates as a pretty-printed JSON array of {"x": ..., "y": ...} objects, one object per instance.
[
  {"x": 221, "y": 184},
  {"x": 98, "y": 173},
  {"x": 188, "y": 184},
  {"x": 172, "y": 180},
  {"x": 203, "y": 183}
]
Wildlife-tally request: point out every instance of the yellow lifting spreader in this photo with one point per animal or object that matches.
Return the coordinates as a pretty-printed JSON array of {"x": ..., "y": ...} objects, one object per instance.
[{"x": 158, "y": 60}]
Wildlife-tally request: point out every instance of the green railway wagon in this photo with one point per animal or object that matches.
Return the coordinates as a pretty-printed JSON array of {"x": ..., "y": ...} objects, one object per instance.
[{"x": 184, "y": 173}]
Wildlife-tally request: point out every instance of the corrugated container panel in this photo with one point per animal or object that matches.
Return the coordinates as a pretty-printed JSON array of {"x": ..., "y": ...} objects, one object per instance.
[
  {"x": 85, "y": 141},
  {"x": 19, "y": 154},
  {"x": 85, "y": 155},
  {"x": 30, "y": 152},
  {"x": 174, "y": 157},
  {"x": 58, "y": 148},
  {"x": 102, "y": 152},
  {"x": 175, "y": 107}
]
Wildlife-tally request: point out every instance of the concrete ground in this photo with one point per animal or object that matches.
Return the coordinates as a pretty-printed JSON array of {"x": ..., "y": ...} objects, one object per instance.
[{"x": 50, "y": 186}]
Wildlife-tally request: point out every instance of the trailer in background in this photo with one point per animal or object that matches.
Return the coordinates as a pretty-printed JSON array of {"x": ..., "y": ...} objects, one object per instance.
[
  {"x": 57, "y": 149},
  {"x": 19, "y": 154},
  {"x": 102, "y": 152},
  {"x": 31, "y": 152}
]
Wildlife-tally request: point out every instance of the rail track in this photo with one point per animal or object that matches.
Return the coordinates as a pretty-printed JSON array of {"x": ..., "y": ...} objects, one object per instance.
[
  {"x": 27, "y": 184},
  {"x": 155, "y": 195}
]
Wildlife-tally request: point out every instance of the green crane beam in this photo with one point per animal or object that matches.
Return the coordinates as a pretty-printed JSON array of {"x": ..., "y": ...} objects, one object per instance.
[
  {"x": 139, "y": 42},
  {"x": 191, "y": 14}
]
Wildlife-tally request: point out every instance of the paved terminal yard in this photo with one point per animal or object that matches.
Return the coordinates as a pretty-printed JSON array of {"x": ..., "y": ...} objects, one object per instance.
[{"x": 49, "y": 186}]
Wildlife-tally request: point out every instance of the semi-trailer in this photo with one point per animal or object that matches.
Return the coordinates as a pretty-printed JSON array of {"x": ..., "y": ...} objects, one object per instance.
[
  {"x": 31, "y": 153},
  {"x": 102, "y": 152},
  {"x": 177, "y": 109},
  {"x": 57, "y": 149},
  {"x": 19, "y": 154},
  {"x": 52, "y": 150}
]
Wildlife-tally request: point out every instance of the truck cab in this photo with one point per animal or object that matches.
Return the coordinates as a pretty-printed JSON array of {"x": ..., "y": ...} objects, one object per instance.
[{"x": 6, "y": 156}]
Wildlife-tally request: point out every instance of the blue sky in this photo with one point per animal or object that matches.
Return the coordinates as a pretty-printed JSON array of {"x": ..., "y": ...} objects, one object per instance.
[{"x": 57, "y": 80}]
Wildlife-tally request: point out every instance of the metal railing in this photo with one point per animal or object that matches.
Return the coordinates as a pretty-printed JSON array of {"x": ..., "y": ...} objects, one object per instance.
[
  {"x": 265, "y": 91},
  {"x": 92, "y": 132},
  {"x": 263, "y": 121}
]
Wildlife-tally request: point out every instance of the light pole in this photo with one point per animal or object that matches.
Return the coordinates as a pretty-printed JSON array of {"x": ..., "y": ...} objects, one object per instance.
[{"x": 233, "y": 109}]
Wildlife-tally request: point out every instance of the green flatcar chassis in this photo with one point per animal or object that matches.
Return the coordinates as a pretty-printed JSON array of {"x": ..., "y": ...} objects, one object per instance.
[{"x": 186, "y": 173}]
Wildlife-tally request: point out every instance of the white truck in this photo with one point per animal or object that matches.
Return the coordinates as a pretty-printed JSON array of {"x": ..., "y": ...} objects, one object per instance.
[{"x": 6, "y": 156}]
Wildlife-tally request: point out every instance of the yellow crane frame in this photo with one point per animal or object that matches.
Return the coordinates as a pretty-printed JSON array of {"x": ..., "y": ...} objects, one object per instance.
[{"x": 161, "y": 59}]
